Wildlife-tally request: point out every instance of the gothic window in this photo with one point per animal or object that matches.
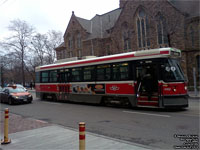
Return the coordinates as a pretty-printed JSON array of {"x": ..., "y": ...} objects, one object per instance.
[
  {"x": 64, "y": 54},
  {"x": 198, "y": 64},
  {"x": 126, "y": 36},
  {"x": 70, "y": 54},
  {"x": 79, "y": 53},
  {"x": 108, "y": 52},
  {"x": 70, "y": 43},
  {"x": 192, "y": 36},
  {"x": 127, "y": 40},
  {"x": 79, "y": 40},
  {"x": 142, "y": 29},
  {"x": 162, "y": 30}
]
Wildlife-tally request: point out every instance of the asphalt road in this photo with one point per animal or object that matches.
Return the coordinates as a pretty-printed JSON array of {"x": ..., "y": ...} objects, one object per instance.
[{"x": 152, "y": 127}]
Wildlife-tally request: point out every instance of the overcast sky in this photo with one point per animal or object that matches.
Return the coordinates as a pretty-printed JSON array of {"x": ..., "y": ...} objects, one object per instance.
[{"x": 46, "y": 15}]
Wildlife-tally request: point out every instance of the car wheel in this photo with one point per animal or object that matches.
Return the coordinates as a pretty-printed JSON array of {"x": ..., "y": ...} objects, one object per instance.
[{"x": 10, "y": 101}]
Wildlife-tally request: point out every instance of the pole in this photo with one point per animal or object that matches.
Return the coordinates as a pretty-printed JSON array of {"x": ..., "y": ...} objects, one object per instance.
[
  {"x": 82, "y": 136},
  {"x": 6, "y": 139},
  {"x": 195, "y": 82},
  {"x": 0, "y": 74}
]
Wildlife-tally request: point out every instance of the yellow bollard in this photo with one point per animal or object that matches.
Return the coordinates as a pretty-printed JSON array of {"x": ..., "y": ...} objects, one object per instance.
[
  {"x": 6, "y": 139},
  {"x": 82, "y": 136}
]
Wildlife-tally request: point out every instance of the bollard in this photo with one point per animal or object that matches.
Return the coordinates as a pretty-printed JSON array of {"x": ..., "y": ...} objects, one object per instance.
[
  {"x": 6, "y": 139},
  {"x": 82, "y": 136}
]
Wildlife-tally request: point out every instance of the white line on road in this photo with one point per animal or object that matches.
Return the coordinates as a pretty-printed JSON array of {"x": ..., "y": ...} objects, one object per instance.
[
  {"x": 132, "y": 112},
  {"x": 52, "y": 103}
]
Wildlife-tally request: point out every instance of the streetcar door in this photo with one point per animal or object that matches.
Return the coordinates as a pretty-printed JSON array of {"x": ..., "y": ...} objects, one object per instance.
[
  {"x": 64, "y": 87},
  {"x": 147, "y": 90}
]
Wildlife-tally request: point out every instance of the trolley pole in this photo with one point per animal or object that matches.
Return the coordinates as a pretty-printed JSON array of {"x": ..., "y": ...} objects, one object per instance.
[
  {"x": 82, "y": 136},
  {"x": 6, "y": 139}
]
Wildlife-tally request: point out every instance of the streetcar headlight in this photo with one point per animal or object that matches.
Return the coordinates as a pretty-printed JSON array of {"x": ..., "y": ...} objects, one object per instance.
[{"x": 186, "y": 88}]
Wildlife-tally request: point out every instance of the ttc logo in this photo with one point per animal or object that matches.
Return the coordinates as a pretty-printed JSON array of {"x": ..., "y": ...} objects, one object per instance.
[{"x": 114, "y": 88}]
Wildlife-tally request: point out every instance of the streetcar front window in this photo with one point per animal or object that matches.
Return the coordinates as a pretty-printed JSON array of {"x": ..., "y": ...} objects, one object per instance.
[{"x": 172, "y": 71}]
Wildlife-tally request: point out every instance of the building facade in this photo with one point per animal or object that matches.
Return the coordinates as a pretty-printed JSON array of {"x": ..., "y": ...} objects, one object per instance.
[{"x": 138, "y": 25}]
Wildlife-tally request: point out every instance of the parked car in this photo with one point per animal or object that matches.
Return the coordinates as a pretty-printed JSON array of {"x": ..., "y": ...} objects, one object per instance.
[
  {"x": 21, "y": 86},
  {"x": 15, "y": 95},
  {"x": 18, "y": 85}
]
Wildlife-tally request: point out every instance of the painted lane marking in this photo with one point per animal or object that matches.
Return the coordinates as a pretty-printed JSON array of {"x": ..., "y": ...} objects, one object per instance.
[
  {"x": 51, "y": 103},
  {"x": 157, "y": 115},
  {"x": 191, "y": 115}
]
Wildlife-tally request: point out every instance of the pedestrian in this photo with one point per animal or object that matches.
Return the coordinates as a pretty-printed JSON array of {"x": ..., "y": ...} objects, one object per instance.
[{"x": 31, "y": 85}]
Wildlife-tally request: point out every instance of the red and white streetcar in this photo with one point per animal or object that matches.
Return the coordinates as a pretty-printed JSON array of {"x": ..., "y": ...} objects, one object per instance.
[{"x": 150, "y": 78}]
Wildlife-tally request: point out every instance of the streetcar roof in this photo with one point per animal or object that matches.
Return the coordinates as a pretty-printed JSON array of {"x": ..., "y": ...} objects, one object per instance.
[{"x": 142, "y": 54}]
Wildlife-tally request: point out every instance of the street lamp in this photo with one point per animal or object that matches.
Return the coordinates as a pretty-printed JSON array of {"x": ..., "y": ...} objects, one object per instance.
[
  {"x": 1, "y": 65},
  {"x": 0, "y": 74}
]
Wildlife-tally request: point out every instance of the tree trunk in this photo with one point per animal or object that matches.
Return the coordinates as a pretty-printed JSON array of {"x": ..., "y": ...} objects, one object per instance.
[{"x": 23, "y": 76}]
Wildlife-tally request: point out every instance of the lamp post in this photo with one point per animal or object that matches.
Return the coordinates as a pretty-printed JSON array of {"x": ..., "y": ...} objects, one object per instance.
[{"x": 0, "y": 74}]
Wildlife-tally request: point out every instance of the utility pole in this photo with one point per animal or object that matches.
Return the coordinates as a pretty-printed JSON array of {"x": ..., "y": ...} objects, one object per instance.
[
  {"x": 195, "y": 82},
  {"x": 1, "y": 65}
]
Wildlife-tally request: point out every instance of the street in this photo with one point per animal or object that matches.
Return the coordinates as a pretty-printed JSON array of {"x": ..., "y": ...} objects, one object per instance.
[{"x": 151, "y": 127}]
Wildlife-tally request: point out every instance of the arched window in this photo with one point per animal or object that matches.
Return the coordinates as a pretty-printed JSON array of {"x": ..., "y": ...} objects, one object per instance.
[
  {"x": 162, "y": 30},
  {"x": 127, "y": 40},
  {"x": 198, "y": 64},
  {"x": 126, "y": 36},
  {"x": 142, "y": 29},
  {"x": 192, "y": 36},
  {"x": 70, "y": 42},
  {"x": 79, "y": 44}
]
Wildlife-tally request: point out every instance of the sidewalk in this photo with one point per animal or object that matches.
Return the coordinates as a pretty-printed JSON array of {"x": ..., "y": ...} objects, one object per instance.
[
  {"x": 193, "y": 95},
  {"x": 55, "y": 137}
]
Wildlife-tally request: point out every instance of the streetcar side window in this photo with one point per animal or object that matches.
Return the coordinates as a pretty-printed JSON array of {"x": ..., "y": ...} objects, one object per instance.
[
  {"x": 45, "y": 77},
  {"x": 120, "y": 71},
  {"x": 88, "y": 73},
  {"x": 53, "y": 76},
  {"x": 37, "y": 77},
  {"x": 103, "y": 72},
  {"x": 76, "y": 75}
]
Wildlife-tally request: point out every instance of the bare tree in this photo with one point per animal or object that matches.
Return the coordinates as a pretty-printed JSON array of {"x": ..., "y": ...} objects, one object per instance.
[
  {"x": 21, "y": 34},
  {"x": 38, "y": 48},
  {"x": 55, "y": 38}
]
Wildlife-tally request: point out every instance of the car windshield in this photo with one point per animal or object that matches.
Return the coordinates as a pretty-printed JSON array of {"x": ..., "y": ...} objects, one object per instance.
[
  {"x": 172, "y": 72},
  {"x": 19, "y": 85},
  {"x": 17, "y": 90}
]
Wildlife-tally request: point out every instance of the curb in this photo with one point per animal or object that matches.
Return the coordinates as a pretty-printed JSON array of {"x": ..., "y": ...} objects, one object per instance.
[{"x": 194, "y": 97}]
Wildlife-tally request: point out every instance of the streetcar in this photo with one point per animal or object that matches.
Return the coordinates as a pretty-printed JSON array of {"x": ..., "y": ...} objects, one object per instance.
[{"x": 145, "y": 78}]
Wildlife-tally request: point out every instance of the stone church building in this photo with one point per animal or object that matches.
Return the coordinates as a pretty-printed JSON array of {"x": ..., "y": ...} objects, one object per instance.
[{"x": 137, "y": 25}]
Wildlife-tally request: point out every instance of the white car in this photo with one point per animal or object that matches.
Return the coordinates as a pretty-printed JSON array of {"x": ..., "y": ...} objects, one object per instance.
[{"x": 19, "y": 86}]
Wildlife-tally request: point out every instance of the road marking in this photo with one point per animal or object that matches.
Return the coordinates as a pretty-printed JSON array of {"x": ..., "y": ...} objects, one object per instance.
[
  {"x": 52, "y": 103},
  {"x": 191, "y": 115},
  {"x": 157, "y": 115}
]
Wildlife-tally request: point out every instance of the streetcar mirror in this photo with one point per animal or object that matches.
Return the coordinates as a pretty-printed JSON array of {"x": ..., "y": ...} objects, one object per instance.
[
  {"x": 167, "y": 69},
  {"x": 173, "y": 69}
]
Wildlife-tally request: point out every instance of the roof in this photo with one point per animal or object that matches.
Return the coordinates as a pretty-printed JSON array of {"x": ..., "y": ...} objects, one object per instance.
[
  {"x": 100, "y": 24},
  {"x": 143, "y": 54},
  {"x": 61, "y": 46},
  {"x": 190, "y": 7}
]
